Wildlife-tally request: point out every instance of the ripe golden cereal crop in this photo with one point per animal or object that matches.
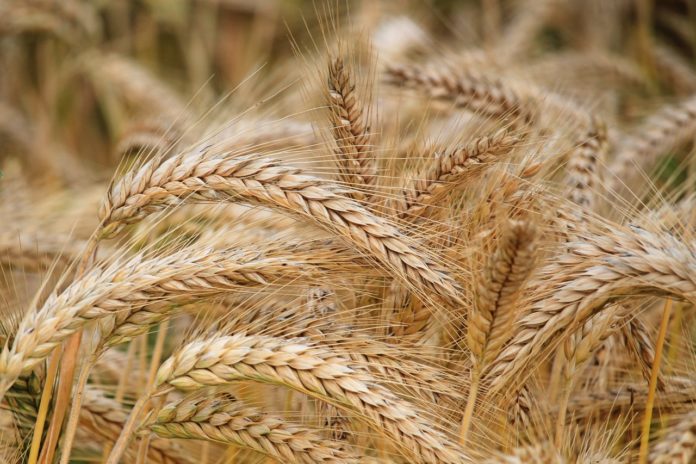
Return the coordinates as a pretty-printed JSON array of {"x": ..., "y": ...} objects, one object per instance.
[{"x": 347, "y": 231}]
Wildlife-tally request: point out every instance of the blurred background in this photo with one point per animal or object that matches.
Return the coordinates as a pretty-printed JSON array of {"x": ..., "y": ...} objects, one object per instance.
[{"x": 78, "y": 76}]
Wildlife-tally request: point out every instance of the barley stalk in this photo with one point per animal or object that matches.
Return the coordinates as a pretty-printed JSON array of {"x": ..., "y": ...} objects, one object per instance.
[
  {"x": 312, "y": 370},
  {"x": 212, "y": 173},
  {"x": 475, "y": 92},
  {"x": 595, "y": 272},
  {"x": 652, "y": 386},
  {"x": 583, "y": 177},
  {"x": 350, "y": 128},
  {"x": 449, "y": 169},
  {"x": 495, "y": 305},
  {"x": 224, "y": 419},
  {"x": 123, "y": 289},
  {"x": 669, "y": 127}
]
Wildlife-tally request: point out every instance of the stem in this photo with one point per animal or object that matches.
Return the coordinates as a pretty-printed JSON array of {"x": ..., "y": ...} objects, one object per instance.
[
  {"x": 67, "y": 368},
  {"x": 65, "y": 381},
  {"x": 556, "y": 373},
  {"x": 128, "y": 427},
  {"x": 154, "y": 365},
  {"x": 567, "y": 374},
  {"x": 142, "y": 450},
  {"x": 674, "y": 333},
  {"x": 469, "y": 409},
  {"x": 562, "y": 411},
  {"x": 121, "y": 389},
  {"x": 157, "y": 354},
  {"x": 142, "y": 361},
  {"x": 43, "y": 407},
  {"x": 141, "y": 458},
  {"x": 645, "y": 431},
  {"x": 74, "y": 416}
]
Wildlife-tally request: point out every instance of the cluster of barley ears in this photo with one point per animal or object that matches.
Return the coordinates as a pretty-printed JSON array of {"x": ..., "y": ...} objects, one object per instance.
[{"x": 347, "y": 232}]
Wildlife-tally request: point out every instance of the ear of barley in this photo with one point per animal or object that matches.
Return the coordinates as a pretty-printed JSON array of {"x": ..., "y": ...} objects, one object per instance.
[
  {"x": 594, "y": 332},
  {"x": 475, "y": 92},
  {"x": 139, "y": 293},
  {"x": 406, "y": 316},
  {"x": 450, "y": 169},
  {"x": 578, "y": 348},
  {"x": 491, "y": 319},
  {"x": 598, "y": 270},
  {"x": 224, "y": 419},
  {"x": 312, "y": 370},
  {"x": 495, "y": 306},
  {"x": 135, "y": 84},
  {"x": 513, "y": 103},
  {"x": 288, "y": 264},
  {"x": 351, "y": 129},
  {"x": 151, "y": 135},
  {"x": 584, "y": 162},
  {"x": 517, "y": 38},
  {"x": 212, "y": 173},
  {"x": 521, "y": 408},
  {"x": 673, "y": 125},
  {"x": 582, "y": 66},
  {"x": 413, "y": 377}
]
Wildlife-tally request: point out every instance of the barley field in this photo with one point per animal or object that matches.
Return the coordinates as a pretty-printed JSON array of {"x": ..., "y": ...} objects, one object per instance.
[{"x": 348, "y": 231}]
